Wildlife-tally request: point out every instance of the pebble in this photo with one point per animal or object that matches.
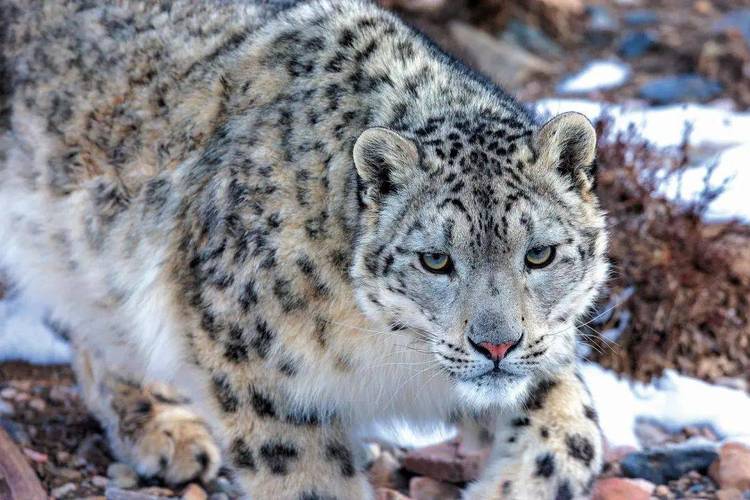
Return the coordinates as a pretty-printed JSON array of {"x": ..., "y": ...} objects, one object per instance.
[
  {"x": 384, "y": 472},
  {"x": 63, "y": 490},
  {"x": 113, "y": 493},
  {"x": 122, "y": 475},
  {"x": 38, "y": 404},
  {"x": 732, "y": 468},
  {"x": 729, "y": 494},
  {"x": 602, "y": 25},
  {"x": 617, "y": 488},
  {"x": 666, "y": 464},
  {"x": 636, "y": 43},
  {"x": 8, "y": 393},
  {"x": 65, "y": 473},
  {"x": 21, "y": 385},
  {"x": 641, "y": 17},
  {"x": 386, "y": 494},
  {"x": 16, "y": 431},
  {"x": 662, "y": 491},
  {"x": 679, "y": 88},
  {"x": 426, "y": 488},
  {"x": 62, "y": 457},
  {"x": 22, "y": 397},
  {"x": 156, "y": 491},
  {"x": 99, "y": 481},
  {"x": 6, "y": 408},
  {"x": 218, "y": 496},
  {"x": 194, "y": 492},
  {"x": 443, "y": 462},
  {"x": 36, "y": 456}
]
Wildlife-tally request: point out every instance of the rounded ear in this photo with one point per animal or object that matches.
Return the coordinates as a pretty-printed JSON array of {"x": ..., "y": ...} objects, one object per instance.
[
  {"x": 567, "y": 143},
  {"x": 384, "y": 160}
]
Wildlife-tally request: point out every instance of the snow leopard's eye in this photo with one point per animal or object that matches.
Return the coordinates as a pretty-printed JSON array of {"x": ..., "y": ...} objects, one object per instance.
[
  {"x": 539, "y": 257},
  {"x": 438, "y": 263}
]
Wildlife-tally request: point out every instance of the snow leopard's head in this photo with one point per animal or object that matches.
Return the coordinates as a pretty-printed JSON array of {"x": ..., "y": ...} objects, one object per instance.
[{"x": 483, "y": 241}]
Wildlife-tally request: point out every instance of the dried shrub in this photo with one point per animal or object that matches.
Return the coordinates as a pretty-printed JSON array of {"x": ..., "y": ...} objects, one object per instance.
[{"x": 689, "y": 310}]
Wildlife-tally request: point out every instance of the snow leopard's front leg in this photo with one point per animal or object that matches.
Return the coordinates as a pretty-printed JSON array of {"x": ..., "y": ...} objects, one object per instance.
[
  {"x": 551, "y": 448},
  {"x": 279, "y": 451}
]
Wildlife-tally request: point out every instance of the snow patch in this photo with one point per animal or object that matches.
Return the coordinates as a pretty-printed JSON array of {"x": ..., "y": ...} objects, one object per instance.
[
  {"x": 674, "y": 401},
  {"x": 26, "y": 335},
  {"x": 597, "y": 75},
  {"x": 725, "y": 132}
]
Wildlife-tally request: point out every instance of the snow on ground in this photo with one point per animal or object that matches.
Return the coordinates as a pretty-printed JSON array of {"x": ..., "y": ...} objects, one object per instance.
[
  {"x": 724, "y": 132},
  {"x": 674, "y": 401},
  {"x": 26, "y": 334},
  {"x": 597, "y": 75}
]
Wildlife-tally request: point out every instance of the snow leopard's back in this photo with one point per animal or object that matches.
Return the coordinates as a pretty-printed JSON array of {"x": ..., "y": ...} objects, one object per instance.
[{"x": 118, "y": 93}]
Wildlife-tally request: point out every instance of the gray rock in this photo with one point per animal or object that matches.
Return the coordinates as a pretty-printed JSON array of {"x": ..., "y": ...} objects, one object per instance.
[
  {"x": 113, "y": 493},
  {"x": 504, "y": 62},
  {"x": 6, "y": 408},
  {"x": 680, "y": 88},
  {"x": 15, "y": 431},
  {"x": 667, "y": 464},
  {"x": 122, "y": 475},
  {"x": 601, "y": 26},
  {"x": 532, "y": 39},
  {"x": 641, "y": 17},
  {"x": 63, "y": 490},
  {"x": 636, "y": 43}
]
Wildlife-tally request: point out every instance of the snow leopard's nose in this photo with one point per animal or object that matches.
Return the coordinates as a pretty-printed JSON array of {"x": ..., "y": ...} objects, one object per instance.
[
  {"x": 492, "y": 336},
  {"x": 495, "y": 352}
]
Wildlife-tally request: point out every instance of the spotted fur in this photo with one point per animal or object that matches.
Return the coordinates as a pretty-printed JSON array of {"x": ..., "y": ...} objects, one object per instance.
[{"x": 232, "y": 198}]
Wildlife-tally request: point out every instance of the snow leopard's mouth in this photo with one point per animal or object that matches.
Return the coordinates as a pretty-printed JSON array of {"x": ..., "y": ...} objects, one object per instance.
[{"x": 497, "y": 373}]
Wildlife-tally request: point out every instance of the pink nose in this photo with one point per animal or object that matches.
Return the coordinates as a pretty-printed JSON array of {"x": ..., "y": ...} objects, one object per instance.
[{"x": 497, "y": 351}]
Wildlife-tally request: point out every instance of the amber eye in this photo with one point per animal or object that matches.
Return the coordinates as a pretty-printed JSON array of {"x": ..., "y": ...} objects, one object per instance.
[
  {"x": 539, "y": 257},
  {"x": 438, "y": 263}
]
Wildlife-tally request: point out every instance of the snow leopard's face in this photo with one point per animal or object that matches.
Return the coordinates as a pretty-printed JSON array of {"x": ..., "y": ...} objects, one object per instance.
[{"x": 486, "y": 255}]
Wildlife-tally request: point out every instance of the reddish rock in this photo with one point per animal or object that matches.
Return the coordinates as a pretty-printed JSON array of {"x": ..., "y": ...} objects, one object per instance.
[
  {"x": 444, "y": 462},
  {"x": 616, "y": 488},
  {"x": 194, "y": 492},
  {"x": 729, "y": 494},
  {"x": 388, "y": 494},
  {"x": 384, "y": 472},
  {"x": 36, "y": 456},
  {"x": 425, "y": 488},
  {"x": 732, "y": 468},
  {"x": 617, "y": 453}
]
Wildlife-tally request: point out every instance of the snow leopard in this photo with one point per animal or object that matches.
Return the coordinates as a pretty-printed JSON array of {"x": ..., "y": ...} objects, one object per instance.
[{"x": 269, "y": 225}]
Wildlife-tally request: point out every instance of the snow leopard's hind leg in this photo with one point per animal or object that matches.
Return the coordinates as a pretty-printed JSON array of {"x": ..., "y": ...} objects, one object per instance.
[{"x": 150, "y": 427}]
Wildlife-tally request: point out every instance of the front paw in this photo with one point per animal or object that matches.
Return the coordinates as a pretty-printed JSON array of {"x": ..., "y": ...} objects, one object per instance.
[
  {"x": 552, "y": 450},
  {"x": 175, "y": 445}
]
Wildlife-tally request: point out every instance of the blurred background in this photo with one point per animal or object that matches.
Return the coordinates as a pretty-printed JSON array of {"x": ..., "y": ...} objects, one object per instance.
[{"x": 667, "y": 84}]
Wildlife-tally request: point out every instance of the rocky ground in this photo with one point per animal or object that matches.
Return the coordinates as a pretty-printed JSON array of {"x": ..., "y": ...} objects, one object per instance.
[
  {"x": 691, "y": 280},
  {"x": 42, "y": 413}
]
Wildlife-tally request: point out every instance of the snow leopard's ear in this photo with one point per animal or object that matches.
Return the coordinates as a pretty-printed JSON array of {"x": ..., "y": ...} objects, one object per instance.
[
  {"x": 385, "y": 161},
  {"x": 568, "y": 143}
]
